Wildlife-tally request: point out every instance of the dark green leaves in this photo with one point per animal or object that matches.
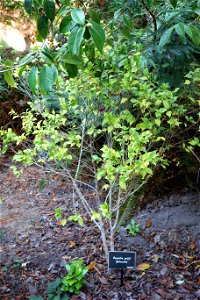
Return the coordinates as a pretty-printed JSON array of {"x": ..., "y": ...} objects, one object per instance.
[
  {"x": 46, "y": 79},
  {"x": 28, "y": 6},
  {"x": 66, "y": 24},
  {"x": 94, "y": 15},
  {"x": 49, "y": 8},
  {"x": 78, "y": 16},
  {"x": 97, "y": 34},
  {"x": 71, "y": 59},
  {"x": 149, "y": 3},
  {"x": 165, "y": 37},
  {"x": 191, "y": 31},
  {"x": 72, "y": 70},
  {"x": 173, "y": 3},
  {"x": 75, "y": 40},
  {"x": 43, "y": 26},
  {"x": 195, "y": 37}
]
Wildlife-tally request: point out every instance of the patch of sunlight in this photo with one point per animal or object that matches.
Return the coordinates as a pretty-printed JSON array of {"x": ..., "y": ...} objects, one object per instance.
[{"x": 13, "y": 38}]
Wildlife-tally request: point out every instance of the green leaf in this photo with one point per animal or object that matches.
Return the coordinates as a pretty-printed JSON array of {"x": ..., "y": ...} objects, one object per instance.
[
  {"x": 43, "y": 26},
  {"x": 55, "y": 73},
  {"x": 66, "y": 24},
  {"x": 8, "y": 75},
  {"x": 32, "y": 78},
  {"x": 75, "y": 39},
  {"x": 53, "y": 285},
  {"x": 46, "y": 79},
  {"x": 97, "y": 34},
  {"x": 90, "y": 51},
  {"x": 95, "y": 216},
  {"x": 26, "y": 59},
  {"x": 94, "y": 15},
  {"x": 165, "y": 37},
  {"x": 9, "y": 79},
  {"x": 39, "y": 38},
  {"x": 149, "y": 3},
  {"x": 188, "y": 31},
  {"x": 78, "y": 16},
  {"x": 28, "y": 6},
  {"x": 173, "y": 3},
  {"x": 180, "y": 29},
  {"x": 61, "y": 12},
  {"x": 47, "y": 57},
  {"x": 195, "y": 35},
  {"x": 58, "y": 213},
  {"x": 128, "y": 21},
  {"x": 72, "y": 70},
  {"x": 50, "y": 10},
  {"x": 71, "y": 59}
]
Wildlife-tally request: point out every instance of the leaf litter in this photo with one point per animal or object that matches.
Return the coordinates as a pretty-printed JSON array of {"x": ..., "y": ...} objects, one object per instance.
[{"x": 35, "y": 249}]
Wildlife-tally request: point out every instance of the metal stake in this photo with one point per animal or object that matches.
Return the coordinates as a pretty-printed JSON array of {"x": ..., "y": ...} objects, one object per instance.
[{"x": 122, "y": 277}]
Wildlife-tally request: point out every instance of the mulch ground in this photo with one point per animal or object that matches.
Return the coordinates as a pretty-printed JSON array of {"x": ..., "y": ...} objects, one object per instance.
[{"x": 35, "y": 247}]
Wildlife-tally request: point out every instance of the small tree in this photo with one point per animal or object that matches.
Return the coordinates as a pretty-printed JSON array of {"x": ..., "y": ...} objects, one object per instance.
[{"x": 116, "y": 129}]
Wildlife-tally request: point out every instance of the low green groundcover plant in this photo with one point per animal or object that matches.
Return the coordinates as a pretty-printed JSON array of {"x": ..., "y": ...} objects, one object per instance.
[
  {"x": 134, "y": 228},
  {"x": 71, "y": 283}
]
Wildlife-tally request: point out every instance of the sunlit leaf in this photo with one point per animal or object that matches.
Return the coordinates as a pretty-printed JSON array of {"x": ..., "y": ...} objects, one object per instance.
[
  {"x": 78, "y": 16},
  {"x": 143, "y": 267},
  {"x": 8, "y": 76},
  {"x": 75, "y": 39}
]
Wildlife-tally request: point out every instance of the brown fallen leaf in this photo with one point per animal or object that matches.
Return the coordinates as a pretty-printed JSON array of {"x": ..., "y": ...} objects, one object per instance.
[
  {"x": 7, "y": 220},
  {"x": 143, "y": 267},
  {"x": 92, "y": 265},
  {"x": 166, "y": 280},
  {"x": 192, "y": 245},
  {"x": 148, "y": 223},
  {"x": 51, "y": 213},
  {"x": 66, "y": 257},
  {"x": 72, "y": 244},
  {"x": 67, "y": 232}
]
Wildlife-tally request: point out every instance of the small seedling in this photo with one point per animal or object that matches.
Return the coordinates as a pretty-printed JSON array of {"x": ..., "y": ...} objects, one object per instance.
[
  {"x": 74, "y": 280},
  {"x": 134, "y": 228}
]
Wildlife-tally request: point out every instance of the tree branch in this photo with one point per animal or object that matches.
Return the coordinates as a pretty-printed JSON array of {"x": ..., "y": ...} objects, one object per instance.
[{"x": 151, "y": 14}]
